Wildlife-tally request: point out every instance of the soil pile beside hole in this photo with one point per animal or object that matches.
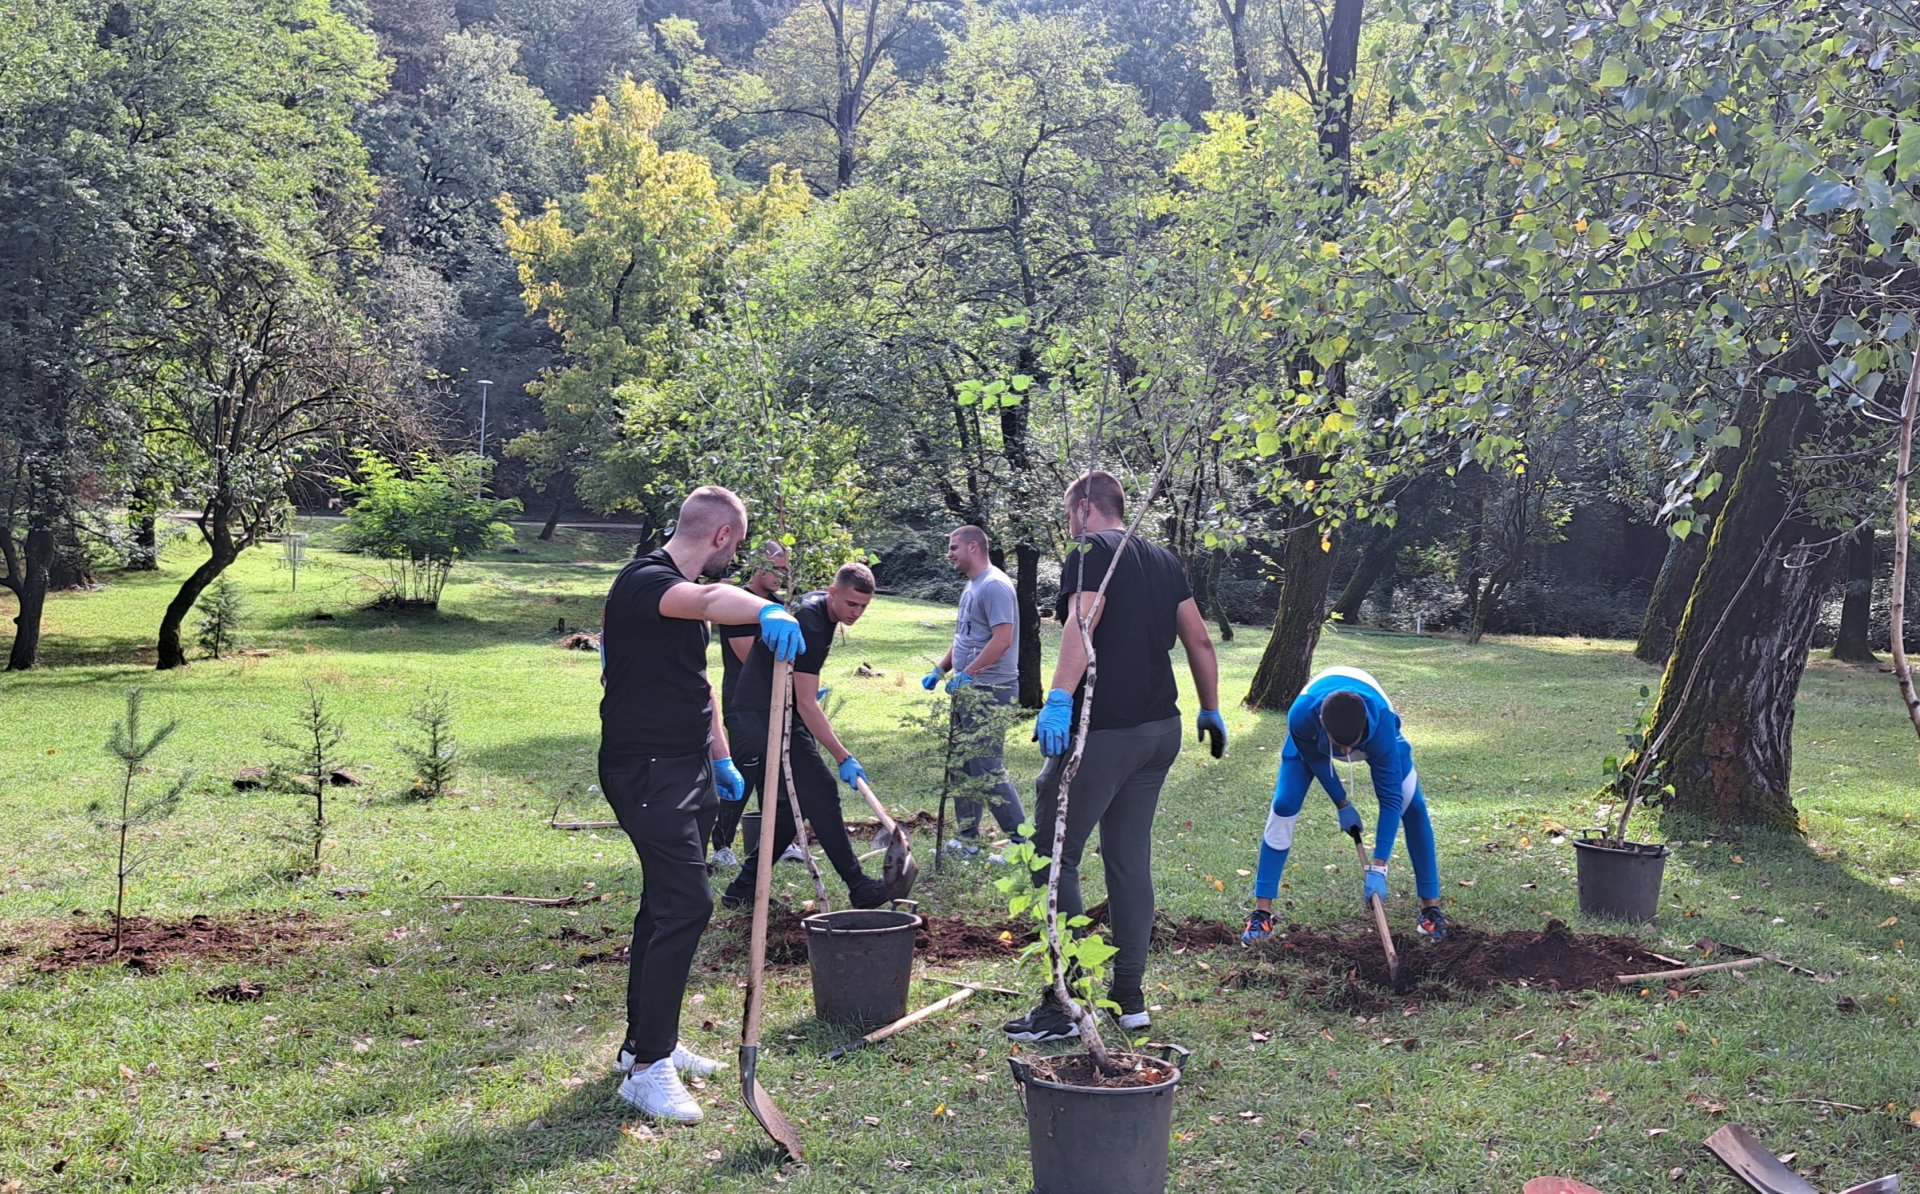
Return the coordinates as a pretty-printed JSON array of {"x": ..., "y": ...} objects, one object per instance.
[
  {"x": 1077, "y": 1069},
  {"x": 146, "y": 943},
  {"x": 1553, "y": 959},
  {"x": 1193, "y": 933}
]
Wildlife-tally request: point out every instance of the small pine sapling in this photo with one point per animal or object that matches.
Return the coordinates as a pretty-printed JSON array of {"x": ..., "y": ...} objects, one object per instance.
[
  {"x": 433, "y": 752},
  {"x": 125, "y": 744},
  {"x": 221, "y": 608},
  {"x": 309, "y": 766}
]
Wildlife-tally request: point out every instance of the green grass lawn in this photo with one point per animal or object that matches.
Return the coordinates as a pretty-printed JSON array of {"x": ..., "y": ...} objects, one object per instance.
[{"x": 416, "y": 1044}]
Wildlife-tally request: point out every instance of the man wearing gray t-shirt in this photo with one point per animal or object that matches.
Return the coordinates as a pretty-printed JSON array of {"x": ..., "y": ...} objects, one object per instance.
[{"x": 984, "y": 661}]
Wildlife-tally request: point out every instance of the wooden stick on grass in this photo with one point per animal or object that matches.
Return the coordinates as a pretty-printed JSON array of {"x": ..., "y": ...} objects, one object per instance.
[{"x": 1685, "y": 971}]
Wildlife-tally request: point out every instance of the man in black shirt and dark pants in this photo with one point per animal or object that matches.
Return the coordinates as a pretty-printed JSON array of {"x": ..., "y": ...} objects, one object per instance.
[
  {"x": 664, "y": 768},
  {"x": 840, "y": 604},
  {"x": 1133, "y": 736},
  {"x": 769, "y": 575}
]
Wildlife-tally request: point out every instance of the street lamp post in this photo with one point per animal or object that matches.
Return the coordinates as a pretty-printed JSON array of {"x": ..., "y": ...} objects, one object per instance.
[{"x": 483, "y": 416}]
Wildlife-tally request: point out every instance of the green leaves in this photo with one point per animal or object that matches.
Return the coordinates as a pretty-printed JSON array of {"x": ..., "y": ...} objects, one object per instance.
[
  {"x": 1613, "y": 72},
  {"x": 1459, "y": 229}
]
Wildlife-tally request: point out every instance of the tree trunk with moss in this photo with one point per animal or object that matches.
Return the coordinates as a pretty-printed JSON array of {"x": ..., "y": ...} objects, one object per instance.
[
  {"x": 1287, "y": 662},
  {"x": 1674, "y": 585},
  {"x": 1743, "y": 643},
  {"x": 1851, "y": 644}
]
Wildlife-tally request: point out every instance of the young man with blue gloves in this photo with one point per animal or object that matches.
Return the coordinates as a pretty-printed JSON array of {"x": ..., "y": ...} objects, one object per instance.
[
  {"x": 1133, "y": 732},
  {"x": 984, "y": 662},
  {"x": 1345, "y": 713},
  {"x": 840, "y": 604},
  {"x": 665, "y": 768}
]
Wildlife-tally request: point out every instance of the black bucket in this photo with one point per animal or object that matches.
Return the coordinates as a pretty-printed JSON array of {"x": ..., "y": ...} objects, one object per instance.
[
  {"x": 862, "y": 963},
  {"x": 1098, "y": 1140},
  {"x": 749, "y": 831},
  {"x": 1620, "y": 880}
]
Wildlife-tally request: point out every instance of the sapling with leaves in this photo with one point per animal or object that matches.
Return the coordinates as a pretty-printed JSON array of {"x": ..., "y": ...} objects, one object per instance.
[
  {"x": 126, "y": 744},
  {"x": 433, "y": 751},
  {"x": 310, "y": 763},
  {"x": 221, "y": 608}
]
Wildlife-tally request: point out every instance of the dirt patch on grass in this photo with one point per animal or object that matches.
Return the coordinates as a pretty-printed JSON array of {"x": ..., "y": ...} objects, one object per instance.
[
  {"x": 147, "y": 944},
  {"x": 1553, "y": 959}
]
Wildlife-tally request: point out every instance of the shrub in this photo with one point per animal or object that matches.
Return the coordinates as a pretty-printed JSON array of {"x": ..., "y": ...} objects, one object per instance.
[
  {"x": 433, "y": 753},
  {"x": 422, "y": 524}
]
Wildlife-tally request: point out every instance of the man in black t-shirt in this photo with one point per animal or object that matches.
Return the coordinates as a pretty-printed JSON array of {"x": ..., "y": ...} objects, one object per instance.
[
  {"x": 1133, "y": 735},
  {"x": 665, "y": 767},
  {"x": 769, "y": 574},
  {"x": 840, "y": 604}
]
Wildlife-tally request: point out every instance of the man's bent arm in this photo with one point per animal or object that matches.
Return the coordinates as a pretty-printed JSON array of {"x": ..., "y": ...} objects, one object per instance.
[
  {"x": 1201, "y": 658},
  {"x": 1072, "y": 663},
  {"x": 806, "y": 701},
  {"x": 998, "y": 640},
  {"x": 729, "y": 605}
]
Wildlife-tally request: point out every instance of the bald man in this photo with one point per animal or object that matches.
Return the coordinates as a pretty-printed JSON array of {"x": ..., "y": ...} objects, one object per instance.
[{"x": 665, "y": 766}]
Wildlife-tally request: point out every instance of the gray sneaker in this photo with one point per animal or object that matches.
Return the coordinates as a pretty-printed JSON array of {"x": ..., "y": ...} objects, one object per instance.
[{"x": 724, "y": 856}]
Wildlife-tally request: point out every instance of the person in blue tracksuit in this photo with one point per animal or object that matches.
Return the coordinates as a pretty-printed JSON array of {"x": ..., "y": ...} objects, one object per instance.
[{"x": 1345, "y": 714}]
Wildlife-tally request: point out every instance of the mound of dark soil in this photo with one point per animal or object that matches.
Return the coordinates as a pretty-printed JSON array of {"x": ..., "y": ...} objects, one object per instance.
[
  {"x": 1554, "y": 959},
  {"x": 146, "y": 944}
]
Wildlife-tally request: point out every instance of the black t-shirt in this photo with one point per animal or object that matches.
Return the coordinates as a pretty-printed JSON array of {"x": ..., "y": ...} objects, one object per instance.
[
  {"x": 731, "y": 664},
  {"x": 657, "y": 700},
  {"x": 1137, "y": 628},
  {"x": 753, "y": 692}
]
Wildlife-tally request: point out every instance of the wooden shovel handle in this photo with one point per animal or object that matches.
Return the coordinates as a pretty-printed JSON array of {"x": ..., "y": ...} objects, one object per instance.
[
  {"x": 763, "y": 874},
  {"x": 905, "y": 1022},
  {"x": 879, "y": 810},
  {"x": 1379, "y": 915}
]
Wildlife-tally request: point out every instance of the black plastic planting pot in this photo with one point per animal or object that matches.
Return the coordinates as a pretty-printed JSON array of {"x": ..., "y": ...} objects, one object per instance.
[
  {"x": 1620, "y": 879},
  {"x": 862, "y": 963},
  {"x": 1098, "y": 1140}
]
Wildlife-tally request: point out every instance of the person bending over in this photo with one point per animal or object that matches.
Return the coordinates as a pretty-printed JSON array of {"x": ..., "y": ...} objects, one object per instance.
[
  {"x": 1344, "y": 713},
  {"x": 840, "y": 604}
]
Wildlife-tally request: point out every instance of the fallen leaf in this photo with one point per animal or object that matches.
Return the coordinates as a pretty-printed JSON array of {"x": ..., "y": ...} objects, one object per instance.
[
  {"x": 1889, "y": 922},
  {"x": 1262, "y": 1037},
  {"x": 1652, "y": 1132},
  {"x": 1466, "y": 883}
]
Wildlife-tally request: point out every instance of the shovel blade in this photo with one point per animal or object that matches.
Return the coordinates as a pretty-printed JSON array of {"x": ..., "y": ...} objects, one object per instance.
[
  {"x": 900, "y": 871},
  {"x": 761, "y": 1104}
]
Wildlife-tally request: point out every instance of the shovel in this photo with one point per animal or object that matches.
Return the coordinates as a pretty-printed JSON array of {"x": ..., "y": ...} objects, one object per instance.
[
  {"x": 757, "y": 1100},
  {"x": 900, "y": 869},
  {"x": 1379, "y": 914}
]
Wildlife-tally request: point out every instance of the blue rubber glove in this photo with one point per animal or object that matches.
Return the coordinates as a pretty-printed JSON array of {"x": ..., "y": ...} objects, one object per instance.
[
  {"x": 930, "y": 679},
  {"x": 1055, "y": 725},
  {"x": 960, "y": 680},
  {"x": 781, "y": 633},
  {"x": 1376, "y": 886},
  {"x": 1350, "y": 820},
  {"x": 851, "y": 770},
  {"x": 727, "y": 778},
  {"x": 1210, "y": 728}
]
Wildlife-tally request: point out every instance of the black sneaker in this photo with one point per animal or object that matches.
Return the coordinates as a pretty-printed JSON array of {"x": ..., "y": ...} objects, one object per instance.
[
  {"x": 867, "y": 893},
  {"x": 732, "y": 901},
  {"x": 1434, "y": 924},
  {"x": 1048, "y": 1021}
]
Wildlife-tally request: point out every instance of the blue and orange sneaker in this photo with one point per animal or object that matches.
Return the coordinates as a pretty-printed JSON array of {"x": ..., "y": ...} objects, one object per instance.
[{"x": 1434, "y": 924}]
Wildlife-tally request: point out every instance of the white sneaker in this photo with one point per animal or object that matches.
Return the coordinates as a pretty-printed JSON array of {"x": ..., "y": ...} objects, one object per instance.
[
  {"x": 725, "y": 856},
  {"x": 657, "y": 1092},
  {"x": 794, "y": 854},
  {"x": 684, "y": 1059},
  {"x": 1134, "y": 1020}
]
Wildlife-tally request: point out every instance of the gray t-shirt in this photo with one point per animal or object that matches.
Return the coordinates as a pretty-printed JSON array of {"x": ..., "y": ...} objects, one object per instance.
[{"x": 986, "y": 602}]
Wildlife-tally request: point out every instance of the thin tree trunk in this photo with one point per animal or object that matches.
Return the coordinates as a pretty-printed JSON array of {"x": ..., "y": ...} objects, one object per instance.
[
  {"x": 553, "y": 520},
  {"x": 1851, "y": 645},
  {"x": 1026, "y": 588},
  {"x": 1382, "y": 546},
  {"x": 172, "y": 652},
  {"x": 1727, "y": 749},
  {"x": 1287, "y": 662},
  {"x": 32, "y": 566}
]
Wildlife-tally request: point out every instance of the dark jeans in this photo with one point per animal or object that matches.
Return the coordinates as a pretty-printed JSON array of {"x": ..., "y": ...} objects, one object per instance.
[
  {"x": 667, "y": 807},
  {"x": 979, "y": 718},
  {"x": 1117, "y": 789},
  {"x": 819, "y": 791}
]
